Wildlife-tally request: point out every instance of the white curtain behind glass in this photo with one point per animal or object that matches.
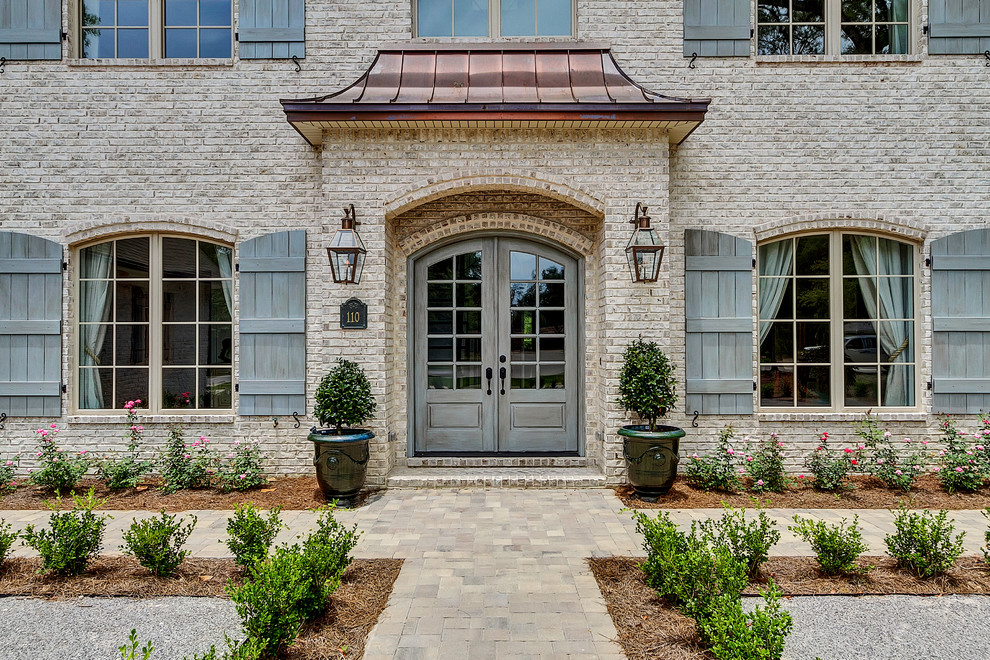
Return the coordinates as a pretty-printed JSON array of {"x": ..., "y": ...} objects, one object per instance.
[
  {"x": 97, "y": 263},
  {"x": 224, "y": 257},
  {"x": 894, "y": 295},
  {"x": 775, "y": 261}
]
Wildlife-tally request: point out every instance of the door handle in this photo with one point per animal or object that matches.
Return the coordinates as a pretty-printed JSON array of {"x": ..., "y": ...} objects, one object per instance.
[
  {"x": 501, "y": 375},
  {"x": 488, "y": 375}
]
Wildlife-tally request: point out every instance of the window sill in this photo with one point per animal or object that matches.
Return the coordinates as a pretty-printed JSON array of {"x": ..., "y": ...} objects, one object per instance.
[
  {"x": 892, "y": 416},
  {"x": 104, "y": 418},
  {"x": 143, "y": 62},
  {"x": 913, "y": 58}
]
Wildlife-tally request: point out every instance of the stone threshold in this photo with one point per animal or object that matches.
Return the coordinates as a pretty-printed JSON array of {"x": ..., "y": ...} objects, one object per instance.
[
  {"x": 499, "y": 461},
  {"x": 496, "y": 477}
]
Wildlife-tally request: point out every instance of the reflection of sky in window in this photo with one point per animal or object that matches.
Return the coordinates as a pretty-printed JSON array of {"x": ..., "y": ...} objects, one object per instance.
[
  {"x": 470, "y": 18},
  {"x": 132, "y": 12},
  {"x": 434, "y": 18},
  {"x": 180, "y": 12},
  {"x": 214, "y": 12}
]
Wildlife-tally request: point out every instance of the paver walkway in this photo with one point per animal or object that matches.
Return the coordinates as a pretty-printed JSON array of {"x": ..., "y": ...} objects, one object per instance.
[{"x": 499, "y": 573}]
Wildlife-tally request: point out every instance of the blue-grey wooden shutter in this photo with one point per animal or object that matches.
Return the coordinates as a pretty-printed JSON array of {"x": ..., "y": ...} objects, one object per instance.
[
  {"x": 272, "y": 325},
  {"x": 718, "y": 309},
  {"x": 30, "y": 326},
  {"x": 31, "y": 29},
  {"x": 961, "y": 322},
  {"x": 271, "y": 29},
  {"x": 717, "y": 28},
  {"x": 958, "y": 27}
]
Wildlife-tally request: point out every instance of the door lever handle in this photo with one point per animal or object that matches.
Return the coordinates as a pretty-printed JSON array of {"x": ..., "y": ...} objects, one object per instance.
[
  {"x": 501, "y": 375},
  {"x": 488, "y": 375}
]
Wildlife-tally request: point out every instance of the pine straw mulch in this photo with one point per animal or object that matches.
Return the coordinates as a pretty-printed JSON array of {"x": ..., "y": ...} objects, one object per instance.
[
  {"x": 867, "y": 493},
  {"x": 340, "y": 633},
  {"x": 291, "y": 493},
  {"x": 649, "y": 629}
]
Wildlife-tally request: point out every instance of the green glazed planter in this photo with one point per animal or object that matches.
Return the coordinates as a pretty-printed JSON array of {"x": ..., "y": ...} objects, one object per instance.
[
  {"x": 341, "y": 461},
  {"x": 651, "y": 458}
]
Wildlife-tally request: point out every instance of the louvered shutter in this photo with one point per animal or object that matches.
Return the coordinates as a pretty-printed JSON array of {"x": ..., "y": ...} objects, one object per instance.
[
  {"x": 958, "y": 27},
  {"x": 961, "y": 322},
  {"x": 30, "y": 326},
  {"x": 271, "y": 29},
  {"x": 272, "y": 325},
  {"x": 31, "y": 29},
  {"x": 718, "y": 309},
  {"x": 717, "y": 28}
]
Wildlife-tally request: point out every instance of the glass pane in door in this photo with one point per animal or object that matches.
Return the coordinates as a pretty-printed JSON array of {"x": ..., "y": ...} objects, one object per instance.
[
  {"x": 453, "y": 293},
  {"x": 536, "y": 308}
]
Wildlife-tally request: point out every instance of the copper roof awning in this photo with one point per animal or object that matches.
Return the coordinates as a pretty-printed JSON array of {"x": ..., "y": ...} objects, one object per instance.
[{"x": 545, "y": 85}]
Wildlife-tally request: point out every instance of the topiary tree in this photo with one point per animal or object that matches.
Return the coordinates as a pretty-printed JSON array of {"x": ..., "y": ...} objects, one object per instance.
[
  {"x": 344, "y": 397},
  {"x": 646, "y": 384}
]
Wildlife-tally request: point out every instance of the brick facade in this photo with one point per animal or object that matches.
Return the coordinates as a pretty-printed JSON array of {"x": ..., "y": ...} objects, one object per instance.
[{"x": 91, "y": 149}]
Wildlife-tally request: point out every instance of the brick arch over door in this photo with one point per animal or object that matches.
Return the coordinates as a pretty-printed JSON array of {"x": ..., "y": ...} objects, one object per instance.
[
  {"x": 500, "y": 222},
  {"x": 484, "y": 180}
]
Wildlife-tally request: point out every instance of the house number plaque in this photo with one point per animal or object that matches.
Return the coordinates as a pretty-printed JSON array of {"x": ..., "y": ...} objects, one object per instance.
[{"x": 354, "y": 315}]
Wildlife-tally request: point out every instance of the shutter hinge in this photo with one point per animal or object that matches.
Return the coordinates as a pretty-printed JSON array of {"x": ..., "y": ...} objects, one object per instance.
[
  {"x": 237, "y": 387},
  {"x": 928, "y": 262},
  {"x": 65, "y": 265},
  {"x": 928, "y": 386},
  {"x": 237, "y": 36},
  {"x": 924, "y": 30},
  {"x": 754, "y": 264},
  {"x": 237, "y": 267},
  {"x": 65, "y": 388},
  {"x": 752, "y": 32},
  {"x": 754, "y": 386}
]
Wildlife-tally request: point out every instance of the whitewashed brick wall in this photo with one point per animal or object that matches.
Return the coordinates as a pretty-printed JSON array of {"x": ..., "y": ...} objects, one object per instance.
[{"x": 89, "y": 149}]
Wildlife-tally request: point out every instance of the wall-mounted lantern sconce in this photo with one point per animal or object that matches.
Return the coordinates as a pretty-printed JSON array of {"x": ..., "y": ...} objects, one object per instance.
[
  {"x": 346, "y": 250},
  {"x": 645, "y": 249}
]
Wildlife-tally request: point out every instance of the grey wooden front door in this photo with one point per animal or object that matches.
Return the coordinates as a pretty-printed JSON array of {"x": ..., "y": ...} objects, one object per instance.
[{"x": 495, "y": 341}]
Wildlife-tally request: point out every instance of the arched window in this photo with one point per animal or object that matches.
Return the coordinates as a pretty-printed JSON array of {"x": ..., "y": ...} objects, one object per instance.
[
  {"x": 154, "y": 322},
  {"x": 837, "y": 323}
]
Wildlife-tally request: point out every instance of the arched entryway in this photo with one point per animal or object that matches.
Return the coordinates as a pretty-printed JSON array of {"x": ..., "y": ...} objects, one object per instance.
[{"x": 496, "y": 345}]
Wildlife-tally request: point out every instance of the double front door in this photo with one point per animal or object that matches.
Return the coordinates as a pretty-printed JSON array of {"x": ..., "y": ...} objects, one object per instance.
[{"x": 495, "y": 349}]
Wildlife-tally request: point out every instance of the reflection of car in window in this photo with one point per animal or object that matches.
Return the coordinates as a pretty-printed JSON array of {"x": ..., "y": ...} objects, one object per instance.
[{"x": 861, "y": 348}]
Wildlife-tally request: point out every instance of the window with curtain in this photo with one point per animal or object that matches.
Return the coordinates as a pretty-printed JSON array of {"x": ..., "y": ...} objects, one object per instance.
[
  {"x": 494, "y": 18},
  {"x": 156, "y": 28},
  {"x": 155, "y": 323},
  {"x": 837, "y": 326},
  {"x": 839, "y": 27}
]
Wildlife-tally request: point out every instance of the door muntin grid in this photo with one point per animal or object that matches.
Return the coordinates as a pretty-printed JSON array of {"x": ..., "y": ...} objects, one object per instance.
[
  {"x": 454, "y": 322},
  {"x": 537, "y": 313}
]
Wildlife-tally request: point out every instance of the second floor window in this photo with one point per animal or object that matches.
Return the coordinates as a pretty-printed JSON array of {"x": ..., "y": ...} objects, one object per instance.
[
  {"x": 838, "y": 27},
  {"x": 156, "y": 28},
  {"x": 494, "y": 18}
]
